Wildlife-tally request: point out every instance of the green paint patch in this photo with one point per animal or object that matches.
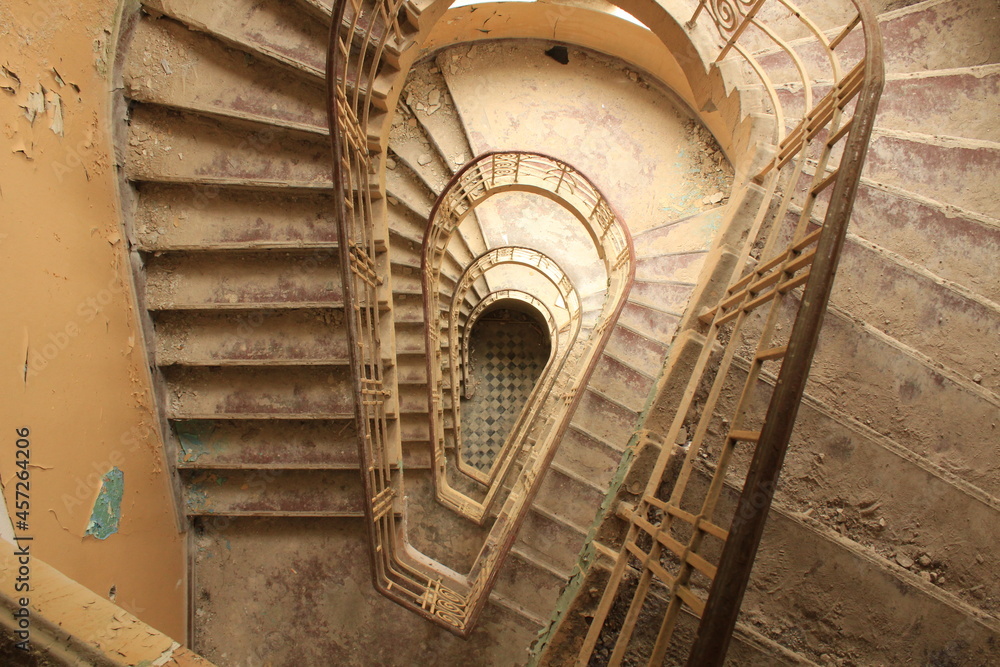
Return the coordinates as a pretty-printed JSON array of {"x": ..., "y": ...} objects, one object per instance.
[
  {"x": 194, "y": 439},
  {"x": 108, "y": 506}
]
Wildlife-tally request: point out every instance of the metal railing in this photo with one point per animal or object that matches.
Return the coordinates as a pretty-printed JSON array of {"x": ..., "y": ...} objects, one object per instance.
[
  {"x": 674, "y": 535},
  {"x": 454, "y": 365},
  {"x": 367, "y": 40}
]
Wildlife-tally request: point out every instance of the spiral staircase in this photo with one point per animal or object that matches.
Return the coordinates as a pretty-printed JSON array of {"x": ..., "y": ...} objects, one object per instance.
[{"x": 285, "y": 304}]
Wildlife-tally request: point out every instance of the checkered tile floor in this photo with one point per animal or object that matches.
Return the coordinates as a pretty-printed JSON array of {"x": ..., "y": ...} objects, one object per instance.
[{"x": 507, "y": 357}]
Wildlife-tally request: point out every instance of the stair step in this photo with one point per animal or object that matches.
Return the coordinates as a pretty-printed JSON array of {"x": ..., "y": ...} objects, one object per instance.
[
  {"x": 912, "y": 41},
  {"x": 628, "y": 386},
  {"x": 548, "y": 541},
  {"x": 907, "y": 399},
  {"x": 410, "y": 338},
  {"x": 677, "y": 267},
  {"x": 649, "y": 322},
  {"x": 279, "y": 31},
  {"x": 803, "y": 573},
  {"x": 567, "y": 498},
  {"x": 282, "y": 337},
  {"x": 214, "y": 279},
  {"x": 876, "y": 492},
  {"x": 168, "y": 146},
  {"x": 312, "y": 493},
  {"x": 645, "y": 354},
  {"x": 529, "y": 586},
  {"x": 308, "y": 392},
  {"x": 410, "y": 146},
  {"x": 442, "y": 125},
  {"x": 402, "y": 184},
  {"x": 931, "y": 317},
  {"x": 917, "y": 102},
  {"x": 604, "y": 419},
  {"x": 267, "y": 443},
  {"x": 691, "y": 234},
  {"x": 962, "y": 244},
  {"x": 587, "y": 457},
  {"x": 206, "y": 75},
  {"x": 913, "y": 162},
  {"x": 174, "y": 217}
]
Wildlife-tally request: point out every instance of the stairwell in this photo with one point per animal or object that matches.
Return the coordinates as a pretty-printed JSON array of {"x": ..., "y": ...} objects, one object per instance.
[{"x": 879, "y": 547}]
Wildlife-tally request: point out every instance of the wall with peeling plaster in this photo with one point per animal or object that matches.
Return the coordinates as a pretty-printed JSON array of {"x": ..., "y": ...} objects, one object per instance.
[{"x": 72, "y": 367}]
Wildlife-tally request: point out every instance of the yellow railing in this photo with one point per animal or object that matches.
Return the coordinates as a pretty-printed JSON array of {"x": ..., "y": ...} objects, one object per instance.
[{"x": 679, "y": 542}]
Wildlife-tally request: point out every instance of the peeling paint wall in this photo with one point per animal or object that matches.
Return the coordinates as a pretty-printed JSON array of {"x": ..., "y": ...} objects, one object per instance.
[{"x": 72, "y": 367}]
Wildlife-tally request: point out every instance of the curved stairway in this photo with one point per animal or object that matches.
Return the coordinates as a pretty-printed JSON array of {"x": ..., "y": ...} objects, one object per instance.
[
  {"x": 227, "y": 155},
  {"x": 877, "y": 550}
]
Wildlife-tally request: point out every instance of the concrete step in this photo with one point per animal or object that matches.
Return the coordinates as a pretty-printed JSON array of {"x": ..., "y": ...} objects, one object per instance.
[
  {"x": 904, "y": 396},
  {"x": 914, "y": 162},
  {"x": 296, "y": 337},
  {"x": 207, "y": 280},
  {"x": 409, "y": 145},
  {"x": 529, "y": 585},
  {"x": 617, "y": 379},
  {"x": 274, "y": 492},
  {"x": 413, "y": 398},
  {"x": 877, "y": 493},
  {"x": 271, "y": 443},
  {"x": 174, "y": 217},
  {"x": 408, "y": 309},
  {"x": 915, "y": 101},
  {"x": 681, "y": 266},
  {"x": 920, "y": 311},
  {"x": 403, "y": 184},
  {"x": 650, "y": 322},
  {"x": 568, "y": 497},
  {"x": 644, "y": 354},
  {"x": 588, "y": 457},
  {"x": 689, "y": 234},
  {"x": 193, "y": 70},
  {"x": 605, "y": 419},
  {"x": 550, "y": 541},
  {"x": 901, "y": 222},
  {"x": 821, "y": 594},
  {"x": 932, "y": 35},
  {"x": 438, "y": 117},
  {"x": 169, "y": 146},
  {"x": 259, "y": 393},
  {"x": 282, "y": 32}
]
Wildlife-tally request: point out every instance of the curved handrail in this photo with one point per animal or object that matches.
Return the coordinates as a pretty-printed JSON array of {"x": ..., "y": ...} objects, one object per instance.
[
  {"x": 367, "y": 39},
  {"x": 472, "y": 508},
  {"x": 485, "y": 176}
]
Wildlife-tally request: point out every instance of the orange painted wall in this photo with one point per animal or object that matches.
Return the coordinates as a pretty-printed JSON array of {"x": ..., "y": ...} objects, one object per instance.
[{"x": 67, "y": 308}]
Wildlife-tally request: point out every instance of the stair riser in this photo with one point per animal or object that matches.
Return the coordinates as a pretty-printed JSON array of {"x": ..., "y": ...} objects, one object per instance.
[
  {"x": 204, "y": 74},
  {"x": 267, "y": 443},
  {"x": 200, "y": 281},
  {"x": 172, "y": 216},
  {"x": 275, "y": 392},
  {"x": 169, "y": 146},
  {"x": 286, "y": 492},
  {"x": 263, "y": 337}
]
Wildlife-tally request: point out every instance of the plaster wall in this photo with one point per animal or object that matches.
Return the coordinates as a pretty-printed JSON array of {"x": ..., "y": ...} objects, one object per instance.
[{"x": 72, "y": 362}]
